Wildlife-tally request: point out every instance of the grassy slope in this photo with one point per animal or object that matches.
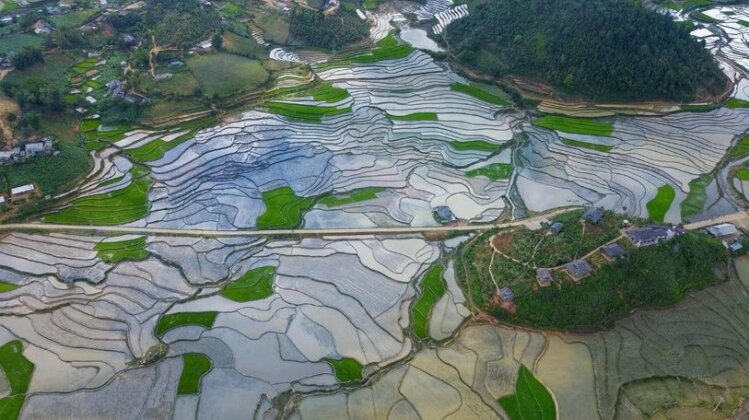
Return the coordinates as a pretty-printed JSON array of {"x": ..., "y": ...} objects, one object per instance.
[
  {"x": 659, "y": 205},
  {"x": 531, "y": 399},
  {"x": 226, "y": 74},
  {"x": 346, "y": 369},
  {"x": 695, "y": 200},
  {"x": 196, "y": 365},
  {"x": 18, "y": 370},
  {"x": 432, "y": 289},
  {"x": 283, "y": 209},
  {"x": 254, "y": 285},
  {"x": 168, "y": 322}
]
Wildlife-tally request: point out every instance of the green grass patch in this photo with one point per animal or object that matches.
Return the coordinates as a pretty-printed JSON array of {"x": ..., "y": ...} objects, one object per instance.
[
  {"x": 129, "y": 250},
  {"x": 196, "y": 365},
  {"x": 326, "y": 92},
  {"x": 743, "y": 174},
  {"x": 575, "y": 125},
  {"x": 275, "y": 27},
  {"x": 734, "y": 103},
  {"x": 74, "y": 19},
  {"x": 253, "y": 285},
  {"x": 362, "y": 194},
  {"x": 698, "y": 107},
  {"x": 53, "y": 69},
  {"x": 18, "y": 369},
  {"x": 743, "y": 23},
  {"x": 346, "y": 369},
  {"x": 478, "y": 93},
  {"x": 50, "y": 173},
  {"x": 478, "y": 145},
  {"x": 741, "y": 149},
  {"x": 225, "y": 74},
  {"x": 310, "y": 113},
  {"x": 659, "y": 205},
  {"x": 531, "y": 399},
  {"x": 17, "y": 42},
  {"x": 244, "y": 46},
  {"x": 387, "y": 48},
  {"x": 695, "y": 201},
  {"x": 495, "y": 171},
  {"x": 113, "y": 208},
  {"x": 171, "y": 321},
  {"x": 7, "y": 287},
  {"x": 156, "y": 149},
  {"x": 89, "y": 125},
  {"x": 181, "y": 84},
  {"x": 416, "y": 116},
  {"x": 585, "y": 145},
  {"x": 701, "y": 17},
  {"x": 283, "y": 209},
  {"x": 432, "y": 289},
  {"x": 9, "y": 6}
]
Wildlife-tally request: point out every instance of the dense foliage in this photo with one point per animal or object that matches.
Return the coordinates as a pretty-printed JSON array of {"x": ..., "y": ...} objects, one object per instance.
[
  {"x": 313, "y": 28},
  {"x": 179, "y": 23},
  {"x": 27, "y": 57},
  {"x": 603, "y": 49},
  {"x": 660, "y": 275}
]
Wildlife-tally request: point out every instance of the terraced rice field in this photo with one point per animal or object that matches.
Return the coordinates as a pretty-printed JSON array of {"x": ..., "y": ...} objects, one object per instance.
[
  {"x": 575, "y": 125},
  {"x": 659, "y": 205},
  {"x": 432, "y": 289}
]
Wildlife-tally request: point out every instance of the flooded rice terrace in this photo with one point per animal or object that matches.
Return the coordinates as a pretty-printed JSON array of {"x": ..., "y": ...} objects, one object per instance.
[{"x": 330, "y": 334}]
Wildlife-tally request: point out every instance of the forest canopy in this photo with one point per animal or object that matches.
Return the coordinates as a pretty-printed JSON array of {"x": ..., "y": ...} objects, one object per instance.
[
  {"x": 599, "y": 49},
  {"x": 315, "y": 29}
]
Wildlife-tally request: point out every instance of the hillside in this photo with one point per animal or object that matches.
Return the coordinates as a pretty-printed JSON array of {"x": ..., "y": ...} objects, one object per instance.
[{"x": 598, "y": 49}]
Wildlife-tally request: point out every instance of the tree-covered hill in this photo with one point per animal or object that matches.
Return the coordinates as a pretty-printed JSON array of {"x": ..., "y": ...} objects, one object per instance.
[{"x": 599, "y": 49}]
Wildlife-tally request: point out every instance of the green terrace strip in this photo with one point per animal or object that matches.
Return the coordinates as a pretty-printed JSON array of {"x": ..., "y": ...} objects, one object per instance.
[
  {"x": 310, "y": 113},
  {"x": 346, "y": 369},
  {"x": 734, "y": 103},
  {"x": 129, "y": 250},
  {"x": 196, "y": 366},
  {"x": 18, "y": 370},
  {"x": 695, "y": 201},
  {"x": 90, "y": 124},
  {"x": 659, "y": 205},
  {"x": 478, "y": 145},
  {"x": 741, "y": 149},
  {"x": 416, "y": 116},
  {"x": 743, "y": 23},
  {"x": 432, "y": 289},
  {"x": 337, "y": 200},
  {"x": 113, "y": 208},
  {"x": 531, "y": 399},
  {"x": 743, "y": 174},
  {"x": 283, "y": 209},
  {"x": 255, "y": 284},
  {"x": 171, "y": 321},
  {"x": 698, "y": 107},
  {"x": 326, "y": 92},
  {"x": 478, "y": 93},
  {"x": 387, "y": 49},
  {"x": 7, "y": 287},
  {"x": 575, "y": 125},
  {"x": 494, "y": 171},
  {"x": 701, "y": 17},
  {"x": 156, "y": 149},
  {"x": 585, "y": 145}
]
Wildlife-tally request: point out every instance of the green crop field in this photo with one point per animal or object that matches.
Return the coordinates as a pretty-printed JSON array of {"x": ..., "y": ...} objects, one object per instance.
[
  {"x": 196, "y": 366},
  {"x": 255, "y": 284},
  {"x": 129, "y": 250},
  {"x": 309, "y": 113},
  {"x": 155, "y": 149},
  {"x": 531, "y": 399},
  {"x": 494, "y": 171},
  {"x": 181, "y": 84},
  {"x": 478, "y": 93},
  {"x": 171, "y": 321},
  {"x": 659, "y": 205},
  {"x": 701, "y": 17},
  {"x": 387, "y": 49},
  {"x": 695, "y": 200},
  {"x": 283, "y": 209},
  {"x": 7, "y": 287},
  {"x": 113, "y": 208},
  {"x": 478, "y": 145},
  {"x": 432, "y": 289},
  {"x": 241, "y": 45},
  {"x": 743, "y": 174},
  {"x": 275, "y": 27},
  {"x": 346, "y": 369},
  {"x": 17, "y": 42},
  {"x": 734, "y": 103},
  {"x": 225, "y": 74},
  {"x": 575, "y": 125},
  {"x": 18, "y": 370},
  {"x": 585, "y": 145},
  {"x": 741, "y": 149},
  {"x": 74, "y": 19},
  {"x": 326, "y": 92},
  {"x": 416, "y": 116},
  {"x": 337, "y": 200},
  {"x": 49, "y": 173}
]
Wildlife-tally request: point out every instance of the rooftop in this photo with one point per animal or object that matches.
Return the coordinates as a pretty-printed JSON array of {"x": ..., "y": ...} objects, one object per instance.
[
  {"x": 613, "y": 251},
  {"x": 725, "y": 229},
  {"x": 23, "y": 189},
  {"x": 579, "y": 269},
  {"x": 544, "y": 276}
]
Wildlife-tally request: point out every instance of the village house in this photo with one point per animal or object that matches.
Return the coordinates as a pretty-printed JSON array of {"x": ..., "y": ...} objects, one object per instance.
[
  {"x": 650, "y": 235},
  {"x": 556, "y": 228},
  {"x": 22, "y": 193},
  {"x": 613, "y": 252},
  {"x": 507, "y": 295},
  {"x": 578, "y": 269},
  {"x": 723, "y": 230},
  {"x": 544, "y": 278},
  {"x": 593, "y": 215},
  {"x": 41, "y": 27}
]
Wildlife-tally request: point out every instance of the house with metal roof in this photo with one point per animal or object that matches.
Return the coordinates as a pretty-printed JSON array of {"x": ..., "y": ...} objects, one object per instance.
[
  {"x": 613, "y": 252},
  {"x": 543, "y": 276},
  {"x": 22, "y": 192},
  {"x": 578, "y": 269},
  {"x": 556, "y": 228},
  {"x": 649, "y": 235},
  {"x": 722, "y": 230},
  {"x": 506, "y": 294},
  {"x": 593, "y": 215}
]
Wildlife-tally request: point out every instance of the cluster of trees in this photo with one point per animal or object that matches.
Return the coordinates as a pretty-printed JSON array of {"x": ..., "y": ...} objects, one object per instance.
[
  {"x": 313, "y": 28},
  {"x": 35, "y": 97},
  {"x": 656, "y": 276},
  {"x": 27, "y": 57},
  {"x": 179, "y": 23},
  {"x": 601, "y": 49}
]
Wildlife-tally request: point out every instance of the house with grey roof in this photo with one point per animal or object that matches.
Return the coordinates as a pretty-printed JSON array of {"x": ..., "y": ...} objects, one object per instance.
[
  {"x": 543, "y": 276},
  {"x": 578, "y": 269},
  {"x": 443, "y": 214},
  {"x": 593, "y": 215},
  {"x": 507, "y": 294},
  {"x": 723, "y": 230},
  {"x": 649, "y": 235},
  {"x": 613, "y": 252},
  {"x": 556, "y": 228}
]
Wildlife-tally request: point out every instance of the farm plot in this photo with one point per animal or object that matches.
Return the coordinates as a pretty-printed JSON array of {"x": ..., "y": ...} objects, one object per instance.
[
  {"x": 642, "y": 155},
  {"x": 224, "y": 74},
  {"x": 356, "y": 152}
]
